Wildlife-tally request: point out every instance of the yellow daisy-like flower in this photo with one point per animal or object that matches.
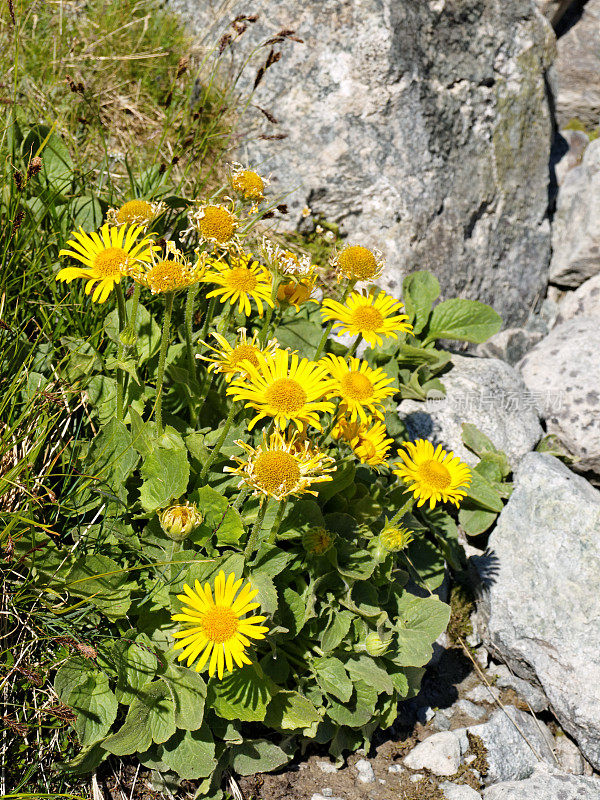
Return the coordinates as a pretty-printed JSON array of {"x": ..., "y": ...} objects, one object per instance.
[
  {"x": 229, "y": 357},
  {"x": 362, "y": 389},
  {"x": 395, "y": 538},
  {"x": 239, "y": 282},
  {"x": 432, "y": 474},
  {"x": 368, "y": 315},
  {"x": 218, "y": 627},
  {"x": 296, "y": 292},
  {"x": 358, "y": 263},
  {"x": 371, "y": 445},
  {"x": 285, "y": 388},
  {"x": 169, "y": 274},
  {"x": 247, "y": 183},
  {"x": 279, "y": 467},
  {"x": 135, "y": 212},
  {"x": 214, "y": 223},
  {"x": 107, "y": 256}
]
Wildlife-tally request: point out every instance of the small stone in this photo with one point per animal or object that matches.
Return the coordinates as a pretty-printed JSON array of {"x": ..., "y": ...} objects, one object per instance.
[
  {"x": 366, "y": 774},
  {"x": 534, "y": 696},
  {"x": 381, "y": 780},
  {"x": 326, "y": 766},
  {"x": 583, "y": 302},
  {"x": 418, "y": 776},
  {"x": 327, "y": 792},
  {"x": 463, "y": 739},
  {"x": 442, "y": 720},
  {"x": 453, "y": 791},
  {"x": 473, "y": 639},
  {"x": 439, "y": 754},
  {"x": 483, "y": 694},
  {"x": 396, "y": 768},
  {"x": 469, "y": 709},
  {"x": 469, "y": 759},
  {"x": 319, "y": 796},
  {"x": 546, "y": 783},
  {"x": 425, "y": 714},
  {"x": 568, "y": 755},
  {"x": 482, "y": 657}
]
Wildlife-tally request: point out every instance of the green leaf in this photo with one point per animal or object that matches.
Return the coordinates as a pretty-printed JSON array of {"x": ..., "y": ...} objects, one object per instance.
[
  {"x": 188, "y": 691},
  {"x": 359, "y": 711},
  {"x": 96, "y": 708},
  {"x": 166, "y": 474},
  {"x": 87, "y": 213},
  {"x": 475, "y": 520},
  {"x": 342, "y": 478},
  {"x": 142, "y": 433},
  {"x": 476, "y": 440},
  {"x": 256, "y": 756},
  {"x": 271, "y": 560},
  {"x": 337, "y": 630},
  {"x": 72, "y": 673},
  {"x": 103, "y": 582},
  {"x": 420, "y": 621},
  {"x": 147, "y": 331},
  {"x": 290, "y": 711},
  {"x": 482, "y": 494},
  {"x": 267, "y": 593},
  {"x": 151, "y": 717},
  {"x": 463, "y": 320},
  {"x": 136, "y": 666},
  {"x": 111, "y": 458},
  {"x": 86, "y": 761},
  {"x": 191, "y": 754},
  {"x": 299, "y": 334},
  {"x": 332, "y": 677},
  {"x": 428, "y": 562},
  {"x": 244, "y": 694},
  {"x": 219, "y": 517},
  {"x": 419, "y": 290},
  {"x": 368, "y": 669}
]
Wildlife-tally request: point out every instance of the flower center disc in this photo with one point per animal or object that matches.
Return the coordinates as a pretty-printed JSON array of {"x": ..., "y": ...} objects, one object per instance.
[
  {"x": 109, "y": 263},
  {"x": 217, "y": 223},
  {"x": 358, "y": 262},
  {"x": 276, "y": 470},
  {"x": 165, "y": 276},
  {"x": 242, "y": 279},
  {"x": 135, "y": 211},
  {"x": 435, "y": 475},
  {"x": 244, "y": 352},
  {"x": 249, "y": 183},
  {"x": 356, "y": 386},
  {"x": 285, "y": 395},
  {"x": 367, "y": 318},
  {"x": 220, "y": 624}
]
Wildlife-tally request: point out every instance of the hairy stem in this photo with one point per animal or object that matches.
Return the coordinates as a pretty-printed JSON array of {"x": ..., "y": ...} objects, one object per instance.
[
  {"x": 122, "y": 322},
  {"x": 164, "y": 344},
  {"x": 252, "y": 545},
  {"x": 217, "y": 448}
]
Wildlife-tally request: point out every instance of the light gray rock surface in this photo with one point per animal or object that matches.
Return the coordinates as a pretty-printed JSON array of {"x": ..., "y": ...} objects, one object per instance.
[
  {"x": 422, "y": 128},
  {"x": 533, "y": 695},
  {"x": 583, "y": 302},
  {"x": 539, "y": 604},
  {"x": 546, "y": 784},
  {"x": 569, "y": 758},
  {"x": 563, "y": 374},
  {"x": 509, "y": 345},
  {"x": 515, "y": 743},
  {"x": 578, "y": 69},
  {"x": 453, "y": 791},
  {"x": 554, "y": 9},
  {"x": 572, "y": 145},
  {"x": 486, "y": 392},
  {"x": 366, "y": 774},
  {"x": 576, "y": 224},
  {"x": 439, "y": 754}
]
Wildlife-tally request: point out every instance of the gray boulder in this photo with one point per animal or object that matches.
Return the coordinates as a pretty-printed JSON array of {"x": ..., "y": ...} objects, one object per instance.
[
  {"x": 576, "y": 225},
  {"x": 486, "y": 392},
  {"x": 583, "y": 302},
  {"x": 509, "y": 345},
  {"x": 578, "y": 69},
  {"x": 562, "y": 373},
  {"x": 571, "y": 145},
  {"x": 440, "y": 754},
  {"x": 532, "y": 695},
  {"x": 539, "y": 603},
  {"x": 546, "y": 784},
  {"x": 515, "y": 743},
  {"x": 554, "y": 10},
  {"x": 455, "y": 791},
  {"x": 568, "y": 755},
  {"x": 422, "y": 128}
]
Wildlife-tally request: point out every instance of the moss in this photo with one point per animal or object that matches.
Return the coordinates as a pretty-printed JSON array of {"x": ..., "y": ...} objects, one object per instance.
[
  {"x": 461, "y": 608},
  {"x": 319, "y": 241},
  {"x": 424, "y": 789},
  {"x": 575, "y": 124},
  {"x": 479, "y": 750}
]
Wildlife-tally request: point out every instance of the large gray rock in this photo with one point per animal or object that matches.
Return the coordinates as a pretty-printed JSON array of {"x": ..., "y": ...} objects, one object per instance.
[
  {"x": 509, "y": 345},
  {"x": 422, "y": 128},
  {"x": 486, "y": 392},
  {"x": 439, "y": 754},
  {"x": 583, "y": 302},
  {"x": 546, "y": 784},
  {"x": 554, "y": 10},
  {"x": 569, "y": 148},
  {"x": 515, "y": 743},
  {"x": 578, "y": 69},
  {"x": 563, "y": 374},
  {"x": 539, "y": 604},
  {"x": 532, "y": 695},
  {"x": 576, "y": 226}
]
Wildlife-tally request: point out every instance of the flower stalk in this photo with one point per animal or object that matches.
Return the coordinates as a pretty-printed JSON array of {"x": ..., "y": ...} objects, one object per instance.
[
  {"x": 120, "y": 349},
  {"x": 253, "y": 539},
  {"x": 217, "y": 448},
  {"x": 164, "y": 344}
]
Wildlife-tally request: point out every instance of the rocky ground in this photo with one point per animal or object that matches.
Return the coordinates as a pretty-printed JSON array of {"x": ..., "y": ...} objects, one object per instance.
[{"x": 462, "y": 136}]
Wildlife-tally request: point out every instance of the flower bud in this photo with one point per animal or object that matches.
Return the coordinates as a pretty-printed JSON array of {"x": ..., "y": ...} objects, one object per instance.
[
  {"x": 375, "y": 645},
  {"x": 317, "y": 541},
  {"x": 179, "y": 521},
  {"x": 395, "y": 538},
  {"x": 128, "y": 338}
]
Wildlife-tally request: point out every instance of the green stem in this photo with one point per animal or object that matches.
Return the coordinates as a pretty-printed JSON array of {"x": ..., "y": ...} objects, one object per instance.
[
  {"x": 164, "y": 344},
  {"x": 327, "y": 331},
  {"x": 208, "y": 318},
  {"x": 264, "y": 332},
  {"x": 122, "y": 317},
  {"x": 137, "y": 289},
  {"x": 405, "y": 509},
  {"x": 175, "y": 548},
  {"x": 354, "y": 346},
  {"x": 217, "y": 448},
  {"x": 239, "y": 500},
  {"x": 277, "y": 523},
  {"x": 252, "y": 545},
  {"x": 189, "y": 321}
]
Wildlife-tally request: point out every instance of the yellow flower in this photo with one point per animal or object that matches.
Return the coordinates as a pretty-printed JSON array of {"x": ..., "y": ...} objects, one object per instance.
[
  {"x": 396, "y": 538},
  {"x": 432, "y": 474},
  {"x": 180, "y": 520},
  {"x": 295, "y": 293},
  {"x": 230, "y": 357},
  {"x": 287, "y": 263},
  {"x": 247, "y": 183},
  {"x": 317, "y": 541},
  {"x": 284, "y": 391},
  {"x": 214, "y": 223},
  {"x": 169, "y": 274},
  {"x": 135, "y": 212},
  {"x": 107, "y": 257},
  {"x": 362, "y": 389},
  {"x": 371, "y": 444},
  {"x": 239, "y": 282},
  {"x": 358, "y": 263},
  {"x": 280, "y": 467},
  {"x": 218, "y": 626},
  {"x": 370, "y": 316}
]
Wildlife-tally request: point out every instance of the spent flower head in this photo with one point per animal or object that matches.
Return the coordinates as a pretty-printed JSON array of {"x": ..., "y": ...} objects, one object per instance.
[
  {"x": 170, "y": 271},
  {"x": 357, "y": 263},
  {"x": 214, "y": 223},
  {"x": 135, "y": 212},
  {"x": 247, "y": 183}
]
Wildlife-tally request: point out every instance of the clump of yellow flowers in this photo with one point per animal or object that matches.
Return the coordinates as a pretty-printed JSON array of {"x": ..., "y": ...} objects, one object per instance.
[{"x": 302, "y": 411}]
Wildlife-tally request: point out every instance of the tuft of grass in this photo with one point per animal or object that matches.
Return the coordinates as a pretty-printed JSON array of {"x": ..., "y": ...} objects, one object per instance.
[{"x": 462, "y": 606}]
